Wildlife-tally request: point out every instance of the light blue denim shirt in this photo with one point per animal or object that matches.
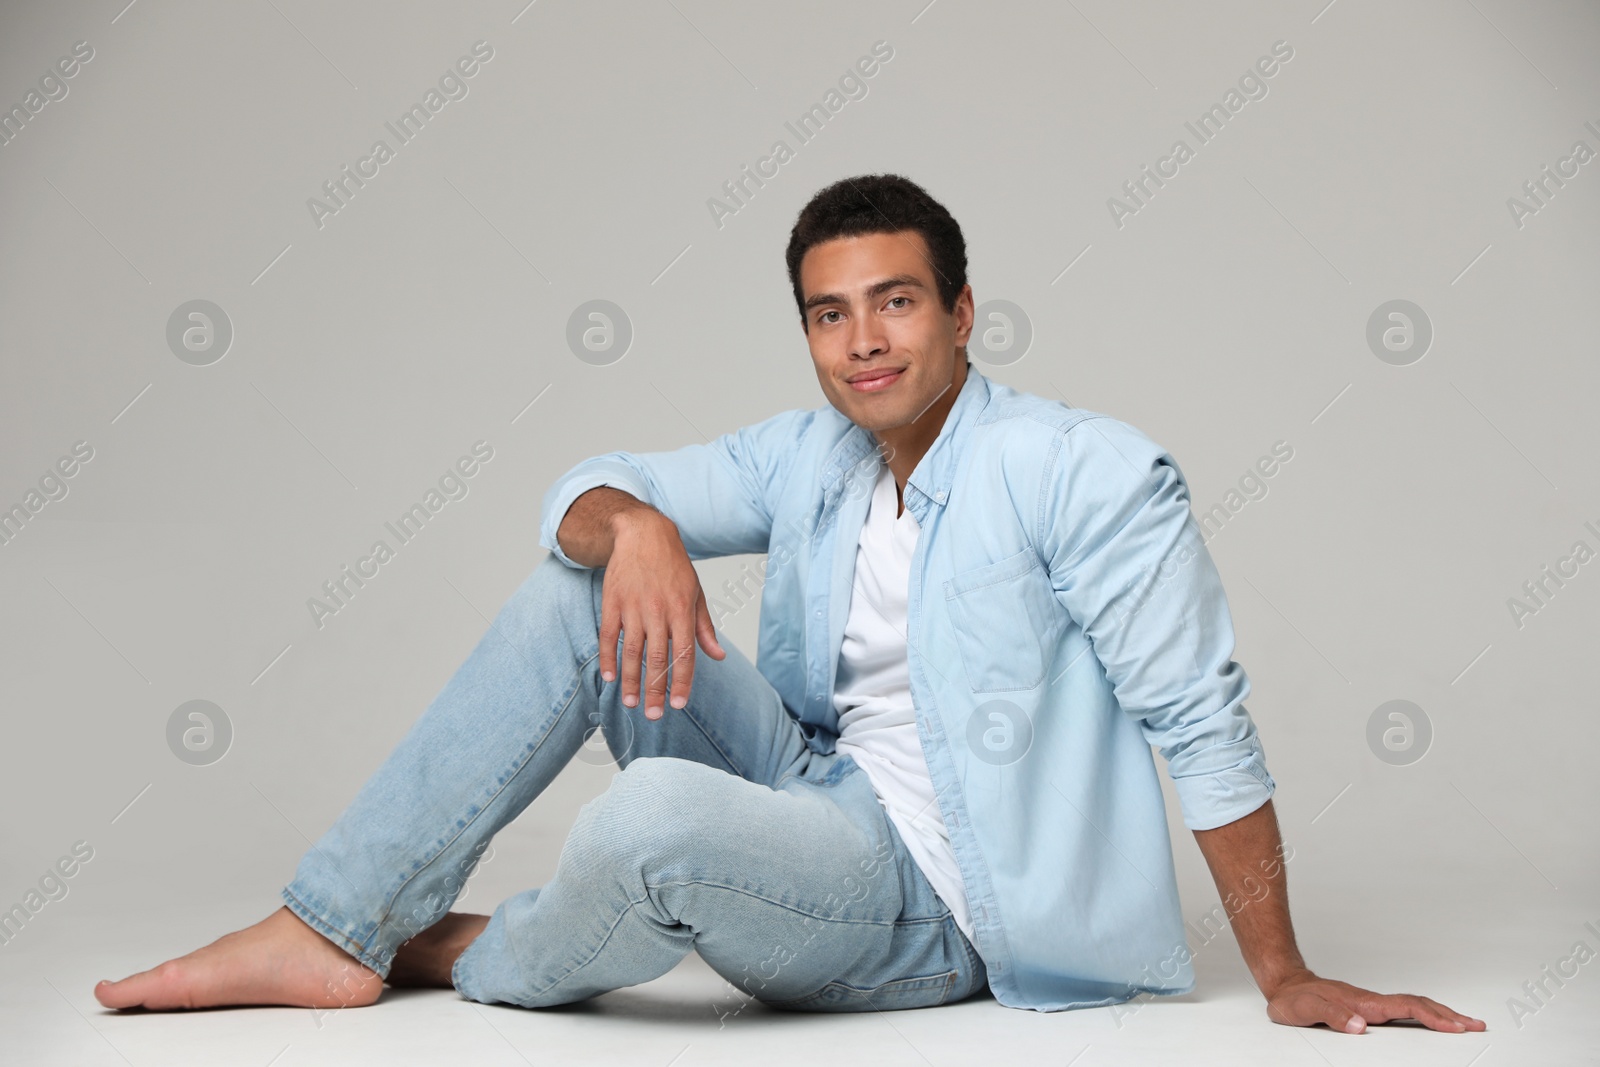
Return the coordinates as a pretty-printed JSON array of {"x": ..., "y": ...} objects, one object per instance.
[{"x": 1064, "y": 615}]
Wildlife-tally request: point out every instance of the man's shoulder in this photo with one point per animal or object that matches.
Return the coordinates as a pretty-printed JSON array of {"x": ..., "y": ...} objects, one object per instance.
[
  {"x": 793, "y": 427},
  {"x": 1017, "y": 412},
  {"x": 1029, "y": 427},
  {"x": 792, "y": 442}
]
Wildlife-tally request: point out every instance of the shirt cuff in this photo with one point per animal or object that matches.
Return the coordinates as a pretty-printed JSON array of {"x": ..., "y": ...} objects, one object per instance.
[
  {"x": 1224, "y": 796},
  {"x": 587, "y": 476}
]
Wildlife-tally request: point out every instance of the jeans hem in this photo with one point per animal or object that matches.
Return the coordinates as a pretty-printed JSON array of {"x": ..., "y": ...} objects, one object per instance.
[{"x": 343, "y": 941}]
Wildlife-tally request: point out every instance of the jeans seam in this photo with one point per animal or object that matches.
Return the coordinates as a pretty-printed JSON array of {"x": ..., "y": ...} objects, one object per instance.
[
  {"x": 712, "y": 741},
  {"x": 343, "y": 940},
  {"x": 621, "y": 915},
  {"x": 901, "y": 984},
  {"x": 650, "y": 888},
  {"x": 688, "y": 714},
  {"x": 389, "y": 906},
  {"x": 709, "y": 884},
  {"x": 978, "y": 970}
]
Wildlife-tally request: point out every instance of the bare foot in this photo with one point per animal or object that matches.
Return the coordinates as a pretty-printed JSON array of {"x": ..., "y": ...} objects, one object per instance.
[
  {"x": 426, "y": 960},
  {"x": 280, "y": 960}
]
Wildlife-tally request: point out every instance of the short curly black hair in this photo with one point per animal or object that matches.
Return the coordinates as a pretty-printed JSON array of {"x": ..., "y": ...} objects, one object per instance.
[{"x": 880, "y": 203}]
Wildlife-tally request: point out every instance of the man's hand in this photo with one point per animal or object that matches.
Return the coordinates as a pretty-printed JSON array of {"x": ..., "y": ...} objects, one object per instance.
[
  {"x": 1249, "y": 864},
  {"x": 1306, "y": 1000},
  {"x": 652, "y": 597}
]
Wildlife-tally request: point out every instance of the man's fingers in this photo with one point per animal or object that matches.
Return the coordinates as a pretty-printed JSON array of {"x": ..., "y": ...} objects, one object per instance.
[
  {"x": 1350, "y": 1009},
  {"x": 633, "y": 638},
  {"x": 706, "y": 631},
  {"x": 1467, "y": 1021},
  {"x": 1306, "y": 1008},
  {"x": 682, "y": 658},
  {"x": 610, "y": 630},
  {"x": 657, "y": 642},
  {"x": 1337, "y": 1016},
  {"x": 1430, "y": 1013},
  {"x": 686, "y": 630},
  {"x": 658, "y": 627}
]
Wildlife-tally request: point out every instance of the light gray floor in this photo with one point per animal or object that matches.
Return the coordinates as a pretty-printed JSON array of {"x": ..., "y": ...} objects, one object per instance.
[
  {"x": 1444, "y": 906},
  {"x": 48, "y": 1014}
]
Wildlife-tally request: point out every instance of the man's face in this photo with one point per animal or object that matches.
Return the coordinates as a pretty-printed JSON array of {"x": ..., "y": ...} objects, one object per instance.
[{"x": 872, "y": 311}]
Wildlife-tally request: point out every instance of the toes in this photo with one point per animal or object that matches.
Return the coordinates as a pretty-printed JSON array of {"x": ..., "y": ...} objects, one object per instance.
[
  {"x": 161, "y": 988},
  {"x": 127, "y": 993}
]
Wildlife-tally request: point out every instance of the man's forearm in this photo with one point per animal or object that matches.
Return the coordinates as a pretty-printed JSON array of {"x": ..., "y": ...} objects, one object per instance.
[
  {"x": 588, "y": 530},
  {"x": 1247, "y": 861}
]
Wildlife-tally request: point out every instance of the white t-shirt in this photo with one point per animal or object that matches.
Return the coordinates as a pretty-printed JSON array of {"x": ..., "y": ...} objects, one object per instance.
[{"x": 872, "y": 694}]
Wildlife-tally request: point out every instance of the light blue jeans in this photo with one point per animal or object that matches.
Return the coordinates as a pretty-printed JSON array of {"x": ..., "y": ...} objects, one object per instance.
[{"x": 724, "y": 832}]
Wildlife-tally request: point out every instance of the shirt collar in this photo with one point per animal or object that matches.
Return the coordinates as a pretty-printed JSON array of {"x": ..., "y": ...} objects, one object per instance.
[{"x": 936, "y": 469}]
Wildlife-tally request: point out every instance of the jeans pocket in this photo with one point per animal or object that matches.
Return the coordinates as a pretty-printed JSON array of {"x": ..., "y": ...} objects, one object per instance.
[{"x": 925, "y": 992}]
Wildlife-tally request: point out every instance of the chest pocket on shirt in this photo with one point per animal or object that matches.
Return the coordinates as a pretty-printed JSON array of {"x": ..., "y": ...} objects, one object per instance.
[{"x": 1006, "y": 621}]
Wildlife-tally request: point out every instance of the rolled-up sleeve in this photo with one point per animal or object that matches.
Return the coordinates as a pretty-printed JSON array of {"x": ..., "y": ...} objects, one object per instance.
[
  {"x": 719, "y": 494},
  {"x": 1127, "y": 561}
]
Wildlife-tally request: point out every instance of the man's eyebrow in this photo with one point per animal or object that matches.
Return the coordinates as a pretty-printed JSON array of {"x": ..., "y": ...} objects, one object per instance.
[{"x": 875, "y": 289}]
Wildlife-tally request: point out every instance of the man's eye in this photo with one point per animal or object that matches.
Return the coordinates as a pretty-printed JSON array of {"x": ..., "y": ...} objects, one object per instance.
[
  {"x": 824, "y": 316},
  {"x": 892, "y": 299}
]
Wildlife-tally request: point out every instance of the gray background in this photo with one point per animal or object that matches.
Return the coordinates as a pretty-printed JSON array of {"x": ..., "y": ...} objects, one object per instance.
[{"x": 368, "y": 354}]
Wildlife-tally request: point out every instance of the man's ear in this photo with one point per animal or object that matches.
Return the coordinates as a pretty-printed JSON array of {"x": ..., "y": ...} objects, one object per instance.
[{"x": 964, "y": 314}]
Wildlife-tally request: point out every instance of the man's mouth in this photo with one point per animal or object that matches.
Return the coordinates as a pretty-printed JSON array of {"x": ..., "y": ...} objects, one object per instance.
[{"x": 872, "y": 381}]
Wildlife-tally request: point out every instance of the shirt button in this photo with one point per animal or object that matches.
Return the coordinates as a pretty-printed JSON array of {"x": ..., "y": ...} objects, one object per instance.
[
  {"x": 819, "y": 613},
  {"x": 939, "y": 496}
]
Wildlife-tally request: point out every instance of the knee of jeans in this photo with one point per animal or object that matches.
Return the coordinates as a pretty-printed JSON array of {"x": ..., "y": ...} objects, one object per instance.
[
  {"x": 657, "y": 813},
  {"x": 551, "y": 574},
  {"x": 553, "y": 583}
]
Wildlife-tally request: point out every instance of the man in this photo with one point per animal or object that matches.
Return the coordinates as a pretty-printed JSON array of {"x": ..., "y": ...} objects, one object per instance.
[{"x": 979, "y": 610}]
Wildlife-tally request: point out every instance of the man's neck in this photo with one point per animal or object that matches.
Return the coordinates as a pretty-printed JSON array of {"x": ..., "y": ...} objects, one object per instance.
[{"x": 906, "y": 445}]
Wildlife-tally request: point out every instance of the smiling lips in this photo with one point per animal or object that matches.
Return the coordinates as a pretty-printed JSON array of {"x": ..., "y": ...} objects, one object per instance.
[{"x": 872, "y": 381}]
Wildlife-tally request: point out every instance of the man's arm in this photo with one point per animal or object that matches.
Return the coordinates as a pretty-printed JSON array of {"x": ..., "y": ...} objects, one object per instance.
[
  {"x": 588, "y": 530},
  {"x": 652, "y": 600},
  {"x": 1128, "y": 562},
  {"x": 646, "y": 517},
  {"x": 719, "y": 494},
  {"x": 1245, "y": 857}
]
